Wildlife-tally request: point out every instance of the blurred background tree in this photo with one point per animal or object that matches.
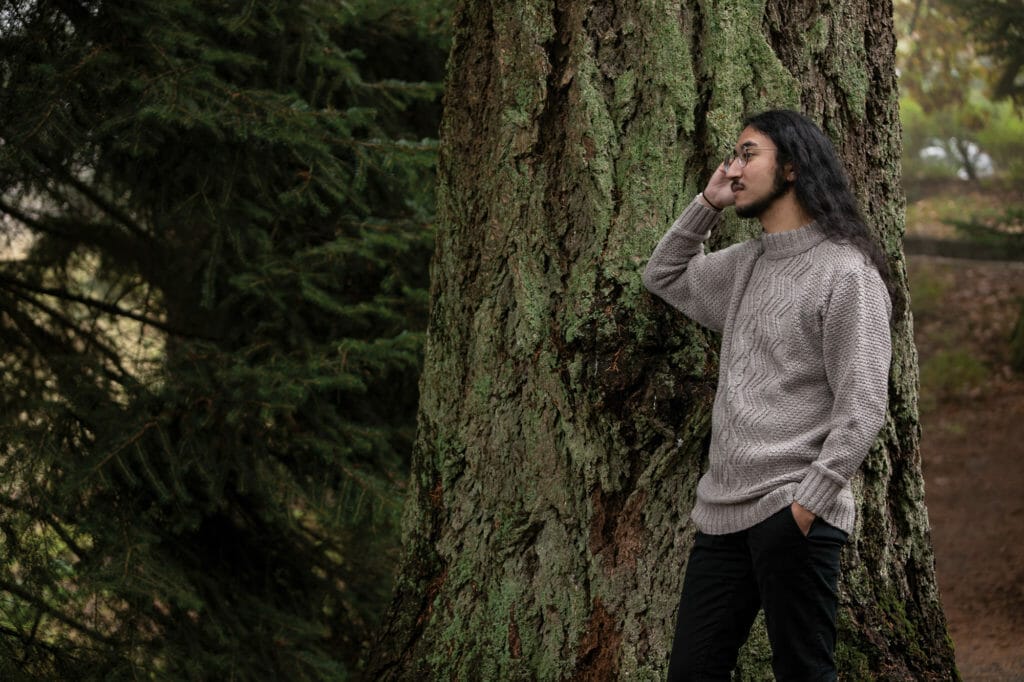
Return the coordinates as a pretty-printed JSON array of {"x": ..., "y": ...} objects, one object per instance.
[
  {"x": 960, "y": 63},
  {"x": 961, "y": 73},
  {"x": 218, "y": 222},
  {"x": 997, "y": 27}
]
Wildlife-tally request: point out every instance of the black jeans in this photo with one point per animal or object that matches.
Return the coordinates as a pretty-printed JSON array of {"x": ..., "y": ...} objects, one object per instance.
[{"x": 771, "y": 566}]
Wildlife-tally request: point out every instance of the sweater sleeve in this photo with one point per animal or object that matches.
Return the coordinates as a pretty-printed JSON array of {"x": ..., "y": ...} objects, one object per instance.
[
  {"x": 679, "y": 272},
  {"x": 857, "y": 348}
]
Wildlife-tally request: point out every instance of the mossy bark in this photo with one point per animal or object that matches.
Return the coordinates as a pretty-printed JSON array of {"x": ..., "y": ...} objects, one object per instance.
[{"x": 564, "y": 412}]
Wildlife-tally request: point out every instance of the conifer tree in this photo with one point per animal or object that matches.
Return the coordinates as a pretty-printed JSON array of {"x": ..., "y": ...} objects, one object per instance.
[{"x": 211, "y": 304}]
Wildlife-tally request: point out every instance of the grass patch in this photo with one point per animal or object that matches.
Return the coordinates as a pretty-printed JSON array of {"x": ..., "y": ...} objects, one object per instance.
[
  {"x": 951, "y": 374},
  {"x": 933, "y": 207},
  {"x": 928, "y": 289},
  {"x": 1004, "y": 232}
]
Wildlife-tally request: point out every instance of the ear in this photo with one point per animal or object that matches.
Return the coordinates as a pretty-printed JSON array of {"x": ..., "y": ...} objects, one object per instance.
[{"x": 790, "y": 172}]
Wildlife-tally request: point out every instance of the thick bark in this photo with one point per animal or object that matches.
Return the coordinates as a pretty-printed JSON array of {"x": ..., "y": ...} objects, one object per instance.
[{"x": 564, "y": 412}]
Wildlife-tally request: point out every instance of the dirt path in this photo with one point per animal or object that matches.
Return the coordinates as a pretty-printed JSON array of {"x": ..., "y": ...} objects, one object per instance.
[{"x": 973, "y": 456}]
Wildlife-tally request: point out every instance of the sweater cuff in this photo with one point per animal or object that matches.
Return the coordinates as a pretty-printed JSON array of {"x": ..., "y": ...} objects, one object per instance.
[
  {"x": 818, "y": 490},
  {"x": 697, "y": 220}
]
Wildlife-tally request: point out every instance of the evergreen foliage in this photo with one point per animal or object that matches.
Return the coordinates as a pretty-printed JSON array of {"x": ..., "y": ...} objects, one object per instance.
[{"x": 211, "y": 312}]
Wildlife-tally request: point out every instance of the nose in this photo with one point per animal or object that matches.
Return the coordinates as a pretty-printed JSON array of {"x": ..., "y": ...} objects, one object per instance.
[{"x": 734, "y": 171}]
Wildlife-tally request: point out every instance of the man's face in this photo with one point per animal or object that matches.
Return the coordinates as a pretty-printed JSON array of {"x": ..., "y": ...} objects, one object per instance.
[{"x": 757, "y": 180}]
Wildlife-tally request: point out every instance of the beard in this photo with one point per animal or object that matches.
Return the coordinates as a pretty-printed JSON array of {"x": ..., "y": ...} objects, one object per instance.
[{"x": 759, "y": 206}]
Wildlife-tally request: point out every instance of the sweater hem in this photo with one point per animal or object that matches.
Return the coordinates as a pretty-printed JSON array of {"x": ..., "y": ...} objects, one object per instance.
[{"x": 723, "y": 519}]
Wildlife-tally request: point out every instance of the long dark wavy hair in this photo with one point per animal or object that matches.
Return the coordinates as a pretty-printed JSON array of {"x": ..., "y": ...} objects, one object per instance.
[{"x": 821, "y": 185}]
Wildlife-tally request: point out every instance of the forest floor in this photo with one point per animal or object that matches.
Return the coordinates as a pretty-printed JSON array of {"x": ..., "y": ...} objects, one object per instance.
[{"x": 972, "y": 447}]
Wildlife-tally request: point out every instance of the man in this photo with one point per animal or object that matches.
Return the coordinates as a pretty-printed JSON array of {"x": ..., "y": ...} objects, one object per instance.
[{"x": 802, "y": 391}]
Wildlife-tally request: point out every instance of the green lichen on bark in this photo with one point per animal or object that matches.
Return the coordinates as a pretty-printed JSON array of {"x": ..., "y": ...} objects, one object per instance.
[{"x": 738, "y": 59}]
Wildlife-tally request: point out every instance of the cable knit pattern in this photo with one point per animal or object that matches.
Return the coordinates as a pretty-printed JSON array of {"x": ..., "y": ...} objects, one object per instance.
[{"x": 803, "y": 376}]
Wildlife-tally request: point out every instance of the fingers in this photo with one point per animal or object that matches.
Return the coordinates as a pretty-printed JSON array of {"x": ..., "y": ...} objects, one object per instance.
[
  {"x": 803, "y": 517},
  {"x": 719, "y": 189}
]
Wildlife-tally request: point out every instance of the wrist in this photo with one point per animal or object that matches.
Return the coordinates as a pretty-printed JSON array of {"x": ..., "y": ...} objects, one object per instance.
[{"x": 707, "y": 202}]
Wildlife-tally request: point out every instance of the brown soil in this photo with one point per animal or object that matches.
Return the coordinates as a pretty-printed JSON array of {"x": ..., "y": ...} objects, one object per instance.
[{"x": 973, "y": 455}]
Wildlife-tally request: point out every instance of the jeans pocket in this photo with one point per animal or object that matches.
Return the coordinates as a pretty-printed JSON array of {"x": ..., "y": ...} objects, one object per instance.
[
  {"x": 782, "y": 524},
  {"x": 823, "y": 530},
  {"x": 779, "y": 537},
  {"x": 797, "y": 525}
]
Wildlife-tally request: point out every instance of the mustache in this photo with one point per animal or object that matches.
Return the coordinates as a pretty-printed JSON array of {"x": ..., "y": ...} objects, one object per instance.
[{"x": 736, "y": 185}]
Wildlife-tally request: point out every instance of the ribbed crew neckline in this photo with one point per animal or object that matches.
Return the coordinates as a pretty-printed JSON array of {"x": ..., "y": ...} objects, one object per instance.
[{"x": 791, "y": 242}]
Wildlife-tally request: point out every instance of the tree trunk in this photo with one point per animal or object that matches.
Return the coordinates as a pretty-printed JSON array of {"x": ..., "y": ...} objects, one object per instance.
[{"x": 565, "y": 412}]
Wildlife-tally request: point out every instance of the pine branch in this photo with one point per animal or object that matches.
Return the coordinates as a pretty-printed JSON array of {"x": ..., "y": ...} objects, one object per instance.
[
  {"x": 75, "y": 329},
  {"x": 46, "y": 518},
  {"x": 30, "y": 640},
  {"x": 26, "y": 596},
  {"x": 74, "y": 11},
  {"x": 45, "y": 342},
  {"x": 29, "y": 221},
  {"x": 117, "y": 311},
  {"x": 61, "y": 173},
  {"x": 99, "y": 235}
]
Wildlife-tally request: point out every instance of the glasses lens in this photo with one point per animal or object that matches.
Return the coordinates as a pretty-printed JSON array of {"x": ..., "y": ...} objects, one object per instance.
[{"x": 739, "y": 159}]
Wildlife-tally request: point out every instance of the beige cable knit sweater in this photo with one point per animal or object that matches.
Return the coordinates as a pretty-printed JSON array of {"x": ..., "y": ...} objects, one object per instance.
[{"x": 804, "y": 366}]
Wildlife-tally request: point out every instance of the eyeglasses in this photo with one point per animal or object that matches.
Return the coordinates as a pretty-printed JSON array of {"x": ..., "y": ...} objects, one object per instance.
[{"x": 742, "y": 158}]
